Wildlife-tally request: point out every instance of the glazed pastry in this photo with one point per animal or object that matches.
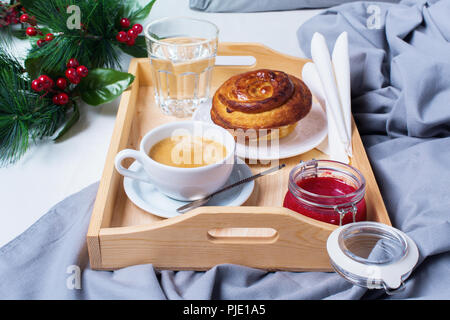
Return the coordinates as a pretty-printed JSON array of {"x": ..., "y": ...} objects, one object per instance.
[{"x": 261, "y": 99}]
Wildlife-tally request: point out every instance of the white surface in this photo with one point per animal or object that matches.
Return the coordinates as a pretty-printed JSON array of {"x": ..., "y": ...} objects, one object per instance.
[
  {"x": 308, "y": 134},
  {"x": 49, "y": 173},
  {"x": 148, "y": 198}
]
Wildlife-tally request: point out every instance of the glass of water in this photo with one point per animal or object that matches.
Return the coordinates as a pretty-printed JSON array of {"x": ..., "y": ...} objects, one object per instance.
[{"x": 182, "y": 54}]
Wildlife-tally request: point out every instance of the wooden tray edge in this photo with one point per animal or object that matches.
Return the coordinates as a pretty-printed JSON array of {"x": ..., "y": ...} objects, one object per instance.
[
  {"x": 101, "y": 214},
  {"x": 109, "y": 181}
]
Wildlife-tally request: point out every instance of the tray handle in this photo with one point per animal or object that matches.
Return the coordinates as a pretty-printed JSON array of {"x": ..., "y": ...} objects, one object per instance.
[
  {"x": 264, "y": 57},
  {"x": 243, "y": 49},
  {"x": 211, "y": 224},
  {"x": 188, "y": 241}
]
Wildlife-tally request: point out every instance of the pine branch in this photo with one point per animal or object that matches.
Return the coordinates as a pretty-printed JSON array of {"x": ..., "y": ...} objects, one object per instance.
[
  {"x": 24, "y": 115},
  {"x": 51, "y": 13},
  {"x": 94, "y": 45}
]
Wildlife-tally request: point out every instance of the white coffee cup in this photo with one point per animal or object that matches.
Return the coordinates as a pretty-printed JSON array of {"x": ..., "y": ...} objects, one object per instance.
[{"x": 184, "y": 184}]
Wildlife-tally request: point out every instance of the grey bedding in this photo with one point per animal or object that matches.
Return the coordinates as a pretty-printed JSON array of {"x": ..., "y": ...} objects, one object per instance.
[
  {"x": 264, "y": 5},
  {"x": 401, "y": 96}
]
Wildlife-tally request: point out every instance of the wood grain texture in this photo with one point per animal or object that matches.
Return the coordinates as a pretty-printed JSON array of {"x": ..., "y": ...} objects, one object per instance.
[
  {"x": 184, "y": 243},
  {"x": 259, "y": 234},
  {"x": 376, "y": 209},
  {"x": 110, "y": 181}
]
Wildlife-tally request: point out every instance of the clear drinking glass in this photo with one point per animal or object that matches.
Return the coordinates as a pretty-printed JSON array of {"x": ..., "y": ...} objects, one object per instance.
[{"x": 182, "y": 54}]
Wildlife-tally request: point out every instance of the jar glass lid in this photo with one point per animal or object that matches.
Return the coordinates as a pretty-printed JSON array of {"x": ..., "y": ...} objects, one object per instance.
[{"x": 372, "y": 255}]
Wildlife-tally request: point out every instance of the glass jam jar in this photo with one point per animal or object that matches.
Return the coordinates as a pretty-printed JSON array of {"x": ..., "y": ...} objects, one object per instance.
[
  {"x": 328, "y": 191},
  {"x": 373, "y": 255}
]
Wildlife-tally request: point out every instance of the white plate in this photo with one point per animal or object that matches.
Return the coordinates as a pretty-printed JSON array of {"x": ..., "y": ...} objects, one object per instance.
[
  {"x": 148, "y": 198},
  {"x": 308, "y": 134}
]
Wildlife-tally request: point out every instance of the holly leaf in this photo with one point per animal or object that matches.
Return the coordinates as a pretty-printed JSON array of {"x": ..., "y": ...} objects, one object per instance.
[
  {"x": 134, "y": 11},
  {"x": 69, "y": 124},
  {"x": 141, "y": 14},
  {"x": 33, "y": 66},
  {"x": 138, "y": 50},
  {"x": 103, "y": 85}
]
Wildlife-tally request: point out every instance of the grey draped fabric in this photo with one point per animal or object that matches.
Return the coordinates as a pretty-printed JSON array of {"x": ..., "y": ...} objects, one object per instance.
[
  {"x": 401, "y": 102},
  {"x": 263, "y": 5}
]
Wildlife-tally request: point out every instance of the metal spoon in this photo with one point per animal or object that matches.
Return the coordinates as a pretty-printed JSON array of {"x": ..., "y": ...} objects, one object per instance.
[{"x": 200, "y": 202}]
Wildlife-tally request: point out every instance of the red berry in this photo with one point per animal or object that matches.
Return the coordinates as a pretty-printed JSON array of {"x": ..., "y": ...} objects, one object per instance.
[
  {"x": 138, "y": 28},
  {"x": 49, "y": 37},
  {"x": 73, "y": 63},
  {"x": 40, "y": 42},
  {"x": 132, "y": 34},
  {"x": 50, "y": 84},
  {"x": 36, "y": 85},
  {"x": 62, "y": 98},
  {"x": 24, "y": 18},
  {"x": 56, "y": 99},
  {"x": 31, "y": 31},
  {"x": 122, "y": 36},
  {"x": 47, "y": 82},
  {"x": 124, "y": 22},
  {"x": 75, "y": 80},
  {"x": 71, "y": 73},
  {"x": 61, "y": 83},
  {"x": 82, "y": 71},
  {"x": 131, "y": 41}
]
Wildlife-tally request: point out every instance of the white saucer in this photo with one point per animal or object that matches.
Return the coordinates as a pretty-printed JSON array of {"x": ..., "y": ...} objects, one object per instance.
[
  {"x": 148, "y": 198},
  {"x": 308, "y": 134}
]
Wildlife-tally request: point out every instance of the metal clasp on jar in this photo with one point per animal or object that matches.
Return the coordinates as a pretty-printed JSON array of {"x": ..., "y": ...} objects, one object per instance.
[
  {"x": 342, "y": 210},
  {"x": 310, "y": 166}
]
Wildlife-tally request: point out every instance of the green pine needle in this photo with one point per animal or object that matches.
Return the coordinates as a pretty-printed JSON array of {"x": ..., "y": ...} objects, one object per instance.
[
  {"x": 94, "y": 45},
  {"x": 24, "y": 115}
]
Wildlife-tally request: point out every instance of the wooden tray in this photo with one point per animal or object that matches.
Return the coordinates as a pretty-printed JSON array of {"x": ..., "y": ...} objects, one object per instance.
[{"x": 260, "y": 234}]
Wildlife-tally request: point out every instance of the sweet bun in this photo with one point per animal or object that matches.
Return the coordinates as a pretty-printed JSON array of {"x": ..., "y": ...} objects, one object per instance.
[{"x": 261, "y": 99}]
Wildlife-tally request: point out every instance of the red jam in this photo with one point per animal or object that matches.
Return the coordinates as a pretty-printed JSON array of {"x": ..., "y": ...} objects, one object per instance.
[{"x": 332, "y": 187}]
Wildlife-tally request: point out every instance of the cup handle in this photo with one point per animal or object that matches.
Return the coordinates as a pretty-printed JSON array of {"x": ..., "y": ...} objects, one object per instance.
[{"x": 133, "y": 154}]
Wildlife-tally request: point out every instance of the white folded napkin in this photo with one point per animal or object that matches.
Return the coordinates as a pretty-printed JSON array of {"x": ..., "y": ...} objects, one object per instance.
[
  {"x": 341, "y": 64},
  {"x": 329, "y": 81}
]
